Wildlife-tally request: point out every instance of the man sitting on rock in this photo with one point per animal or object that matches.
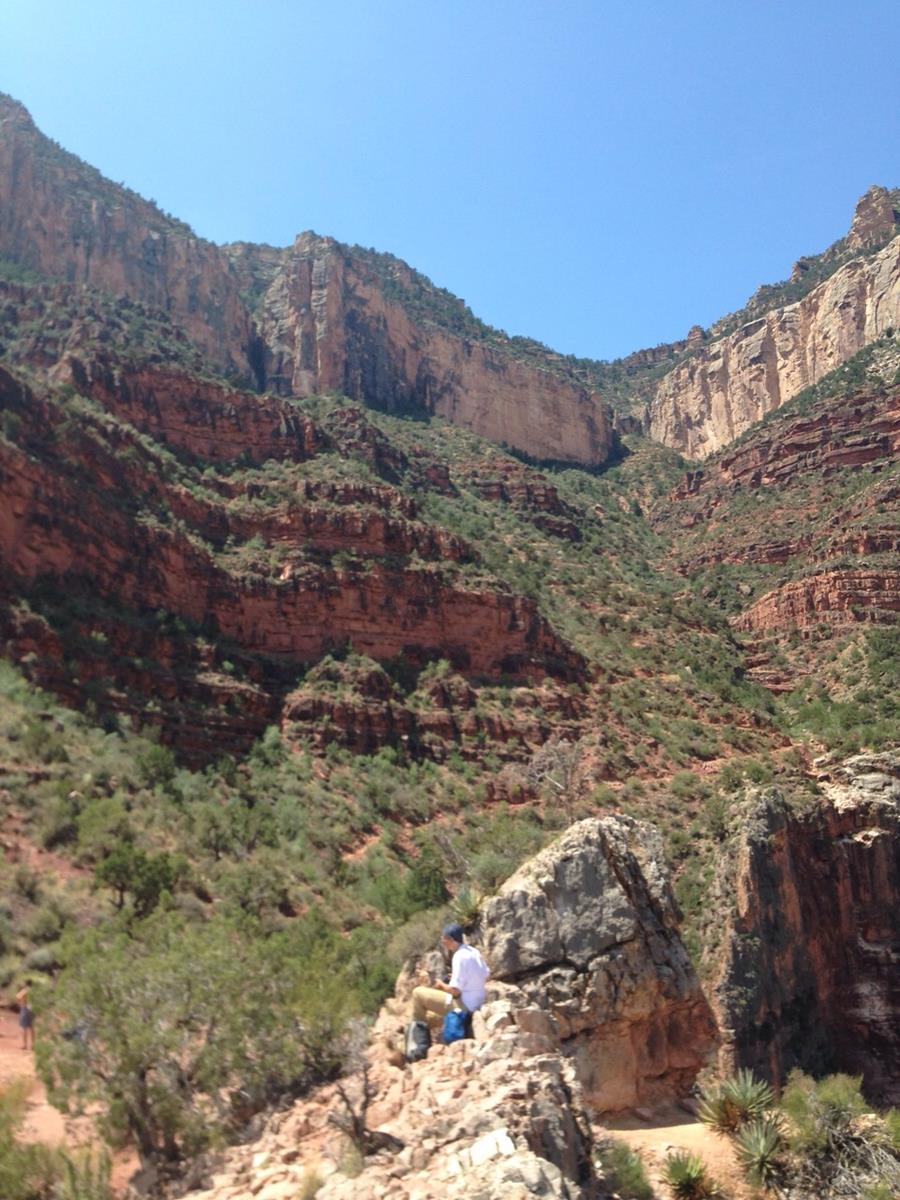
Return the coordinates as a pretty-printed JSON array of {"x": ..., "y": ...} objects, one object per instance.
[{"x": 466, "y": 990}]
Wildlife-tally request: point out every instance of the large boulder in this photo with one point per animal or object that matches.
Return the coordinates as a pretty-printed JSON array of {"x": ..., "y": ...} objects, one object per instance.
[{"x": 586, "y": 933}]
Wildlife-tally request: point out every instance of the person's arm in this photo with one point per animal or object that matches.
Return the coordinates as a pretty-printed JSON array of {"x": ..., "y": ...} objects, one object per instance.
[{"x": 453, "y": 986}]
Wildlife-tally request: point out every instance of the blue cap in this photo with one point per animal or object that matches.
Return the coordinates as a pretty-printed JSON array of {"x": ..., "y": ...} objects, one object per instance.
[{"x": 454, "y": 932}]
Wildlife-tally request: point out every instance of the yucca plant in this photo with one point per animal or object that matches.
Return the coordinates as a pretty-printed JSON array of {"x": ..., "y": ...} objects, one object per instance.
[
  {"x": 757, "y": 1146},
  {"x": 740, "y": 1099},
  {"x": 466, "y": 905},
  {"x": 688, "y": 1178}
]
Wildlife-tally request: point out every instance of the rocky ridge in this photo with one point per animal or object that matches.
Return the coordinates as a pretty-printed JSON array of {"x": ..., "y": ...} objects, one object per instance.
[
  {"x": 320, "y": 316},
  {"x": 594, "y": 1003}
]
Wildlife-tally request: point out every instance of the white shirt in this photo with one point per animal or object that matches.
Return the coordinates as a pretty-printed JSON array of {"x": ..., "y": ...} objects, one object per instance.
[{"x": 469, "y": 973}]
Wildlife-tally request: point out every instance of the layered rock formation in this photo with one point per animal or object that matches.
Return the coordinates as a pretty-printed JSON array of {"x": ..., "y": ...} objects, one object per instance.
[
  {"x": 335, "y": 319},
  {"x": 327, "y": 319},
  {"x": 715, "y": 394},
  {"x": 587, "y": 932},
  {"x": 833, "y": 598},
  {"x": 810, "y": 976},
  {"x": 70, "y": 514}
]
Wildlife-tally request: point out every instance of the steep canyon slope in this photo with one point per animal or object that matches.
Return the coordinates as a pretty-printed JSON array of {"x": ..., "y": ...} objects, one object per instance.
[{"x": 248, "y": 488}]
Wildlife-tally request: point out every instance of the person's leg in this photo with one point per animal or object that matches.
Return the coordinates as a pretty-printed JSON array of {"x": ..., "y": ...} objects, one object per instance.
[{"x": 430, "y": 1004}]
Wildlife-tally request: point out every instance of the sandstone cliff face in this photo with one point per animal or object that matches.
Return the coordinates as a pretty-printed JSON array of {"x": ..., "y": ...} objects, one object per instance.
[
  {"x": 811, "y": 976},
  {"x": 329, "y": 322},
  {"x": 587, "y": 932},
  {"x": 831, "y": 598},
  {"x": 712, "y": 397},
  {"x": 61, "y": 218}
]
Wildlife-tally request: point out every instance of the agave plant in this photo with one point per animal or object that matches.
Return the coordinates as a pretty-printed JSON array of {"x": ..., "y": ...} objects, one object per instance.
[
  {"x": 688, "y": 1178},
  {"x": 757, "y": 1146},
  {"x": 740, "y": 1099}
]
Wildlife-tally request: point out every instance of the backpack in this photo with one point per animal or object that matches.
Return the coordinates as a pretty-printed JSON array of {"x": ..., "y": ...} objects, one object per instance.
[
  {"x": 456, "y": 1024},
  {"x": 417, "y": 1041}
]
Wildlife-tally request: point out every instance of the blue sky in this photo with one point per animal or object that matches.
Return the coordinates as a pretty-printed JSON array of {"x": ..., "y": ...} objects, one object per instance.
[{"x": 596, "y": 174}]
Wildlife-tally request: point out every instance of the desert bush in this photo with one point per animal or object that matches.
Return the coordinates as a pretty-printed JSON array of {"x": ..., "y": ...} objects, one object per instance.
[
  {"x": 156, "y": 1024},
  {"x": 623, "y": 1170},
  {"x": 758, "y": 1146},
  {"x": 839, "y": 1145},
  {"x": 688, "y": 1177},
  {"x": 734, "y": 1102}
]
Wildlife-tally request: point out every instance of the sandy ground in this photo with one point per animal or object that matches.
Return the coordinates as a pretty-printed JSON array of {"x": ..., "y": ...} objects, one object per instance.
[
  {"x": 665, "y": 1130},
  {"x": 43, "y": 1122}
]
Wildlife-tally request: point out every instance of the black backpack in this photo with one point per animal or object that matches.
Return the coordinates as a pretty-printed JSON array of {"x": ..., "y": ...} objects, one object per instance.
[{"x": 417, "y": 1041}]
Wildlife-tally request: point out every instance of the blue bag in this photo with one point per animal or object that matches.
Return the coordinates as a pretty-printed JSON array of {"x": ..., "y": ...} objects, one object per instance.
[{"x": 455, "y": 1025}]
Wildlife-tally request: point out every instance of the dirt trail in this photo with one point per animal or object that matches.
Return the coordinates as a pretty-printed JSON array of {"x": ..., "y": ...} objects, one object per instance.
[
  {"x": 671, "y": 1128},
  {"x": 43, "y": 1122}
]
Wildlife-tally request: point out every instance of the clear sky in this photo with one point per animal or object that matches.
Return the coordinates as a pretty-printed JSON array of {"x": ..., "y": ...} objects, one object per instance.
[{"x": 598, "y": 174}]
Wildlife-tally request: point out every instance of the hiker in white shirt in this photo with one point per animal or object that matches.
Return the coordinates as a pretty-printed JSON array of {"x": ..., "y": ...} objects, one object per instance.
[{"x": 468, "y": 975}]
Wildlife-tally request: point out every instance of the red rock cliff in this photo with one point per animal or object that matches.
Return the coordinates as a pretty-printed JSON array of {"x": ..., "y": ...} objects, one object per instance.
[
  {"x": 810, "y": 977},
  {"x": 61, "y": 218}
]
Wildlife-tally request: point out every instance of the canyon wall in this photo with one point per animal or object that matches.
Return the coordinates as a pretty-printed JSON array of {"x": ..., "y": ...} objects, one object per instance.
[
  {"x": 330, "y": 320},
  {"x": 60, "y": 218},
  {"x": 722, "y": 389},
  {"x": 327, "y": 321},
  {"x": 810, "y": 976}
]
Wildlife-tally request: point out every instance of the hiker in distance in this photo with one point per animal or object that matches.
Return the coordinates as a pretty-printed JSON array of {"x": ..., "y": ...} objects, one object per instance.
[
  {"x": 466, "y": 990},
  {"x": 26, "y": 1017}
]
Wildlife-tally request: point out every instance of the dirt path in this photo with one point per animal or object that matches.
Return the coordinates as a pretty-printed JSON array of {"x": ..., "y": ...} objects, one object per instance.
[
  {"x": 43, "y": 1122},
  {"x": 671, "y": 1128}
]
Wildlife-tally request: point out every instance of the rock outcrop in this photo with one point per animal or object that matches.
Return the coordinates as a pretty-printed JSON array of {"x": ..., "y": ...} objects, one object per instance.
[
  {"x": 593, "y": 1007},
  {"x": 586, "y": 932},
  {"x": 497, "y": 1118},
  {"x": 715, "y": 394},
  {"x": 810, "y": 976},
  {"x": 836, "y": 598}
]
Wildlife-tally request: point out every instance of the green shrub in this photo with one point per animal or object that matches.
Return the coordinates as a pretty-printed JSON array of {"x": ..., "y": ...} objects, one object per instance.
[
  {"x": 43, "y": 958},
  {"x": 45, "y": 924},
  {"x": 734, "y": 1102},
  {"x": 820, "y": 1111},
  {"x": 623, "y": 1170},
  {"x": 175, "y": 1013},
  {"x": 758, "y": 1145},
  {"x": 688, "y": 1177}
]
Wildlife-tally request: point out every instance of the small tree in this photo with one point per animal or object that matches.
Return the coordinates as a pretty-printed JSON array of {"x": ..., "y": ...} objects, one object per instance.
[
  {"x": 131, "y": 872},
  {"x": 163, "y": 1021},
  {"x": 554, "y": 768}
]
